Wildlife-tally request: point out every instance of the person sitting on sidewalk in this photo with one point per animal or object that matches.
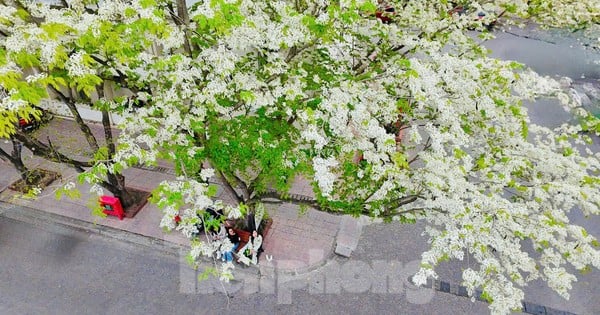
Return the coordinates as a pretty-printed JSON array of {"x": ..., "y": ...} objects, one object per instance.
[
  {"x": 250, "y": 252},
  {"x": 235, "y": 241}
]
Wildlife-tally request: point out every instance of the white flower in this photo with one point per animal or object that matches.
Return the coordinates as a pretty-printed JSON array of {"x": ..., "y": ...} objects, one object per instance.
[
  {"x": 207, "y": 173},
  {"x": 323, "y": 175},
  {"x": 226, "y": 272},
  {"x": 95, "y": 188},
  {"x": 76, "y": 67},
  {"x": 310, "y": 134},
  {"x": 234, "y": 212}
]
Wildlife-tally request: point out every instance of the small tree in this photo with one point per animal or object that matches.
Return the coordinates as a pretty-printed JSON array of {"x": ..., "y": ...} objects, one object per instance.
[{"x": 74, "y": 52}]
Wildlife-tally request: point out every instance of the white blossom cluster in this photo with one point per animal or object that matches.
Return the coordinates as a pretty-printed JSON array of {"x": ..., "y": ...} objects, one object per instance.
[
  {"x": 323, "y": 174},
  {"x": 12, "y": 105},
  {"x": 76, "y": 66}
]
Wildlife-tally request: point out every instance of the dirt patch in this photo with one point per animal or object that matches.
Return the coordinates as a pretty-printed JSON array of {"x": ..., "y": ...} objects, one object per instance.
[
  {"x": 36, "y": 178},
  {"x": 141, "y": 198}
]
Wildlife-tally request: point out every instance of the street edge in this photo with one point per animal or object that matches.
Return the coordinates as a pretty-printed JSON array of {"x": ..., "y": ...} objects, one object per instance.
[{"x": 37, "y": 217}]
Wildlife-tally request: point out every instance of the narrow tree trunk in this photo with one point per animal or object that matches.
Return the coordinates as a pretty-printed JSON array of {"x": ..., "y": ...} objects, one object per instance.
[
  {"x": 116, "y": 182},
  {"x": 17, "y": 161},
  {"x": 116, "y": 185},
  {"x": 184, "y": 21},
  {"x": 48, "y": 152}
]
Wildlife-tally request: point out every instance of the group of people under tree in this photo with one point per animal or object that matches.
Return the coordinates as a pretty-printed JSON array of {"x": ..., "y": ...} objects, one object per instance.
[{"x": 247, "y": 255}]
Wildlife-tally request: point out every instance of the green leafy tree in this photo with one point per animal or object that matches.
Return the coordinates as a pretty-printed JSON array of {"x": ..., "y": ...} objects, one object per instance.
[{"x": 76, "y": 54}]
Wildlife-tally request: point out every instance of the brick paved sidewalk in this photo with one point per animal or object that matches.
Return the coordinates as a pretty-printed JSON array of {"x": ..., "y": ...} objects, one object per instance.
[{"x": 296, "y": 242}]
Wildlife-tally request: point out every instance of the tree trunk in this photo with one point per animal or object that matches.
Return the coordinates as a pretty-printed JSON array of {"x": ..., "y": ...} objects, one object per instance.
[
  {"x": 116, "y": 185},
  {"x": 48, "y": 152},
  {"x": 17, "y": 161},
  {"x": 184, "y": 21},
  {"x": 15, "y": 158},
  {"x": 116, "y": 182}
]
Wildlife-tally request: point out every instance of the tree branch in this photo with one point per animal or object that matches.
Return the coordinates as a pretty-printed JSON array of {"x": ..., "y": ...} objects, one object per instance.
[
  {"x": 230, "y": 188},
  {"x": 5, "y": 155},
  {"x": 413, "y": 210},
  {"x": 40, "y": 149},
  {"x": 244, "y": 187},
  {"x": 402, "y": 201},
  {"x": 273, "y": 194},
  {"x": 425, "y": 147},
  {"x": 121, "y": 78},
  {"x": 182, "y": 19},
  {"x": 87, "y": 132}
]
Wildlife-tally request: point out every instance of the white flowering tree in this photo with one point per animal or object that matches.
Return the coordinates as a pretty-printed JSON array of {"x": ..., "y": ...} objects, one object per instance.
[
  {"x": 588, "y": 116},
  {"x": 404, "y": 120}
]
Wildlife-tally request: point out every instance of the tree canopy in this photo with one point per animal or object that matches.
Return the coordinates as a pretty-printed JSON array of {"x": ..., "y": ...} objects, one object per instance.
[{"x": 405, "y": 118}]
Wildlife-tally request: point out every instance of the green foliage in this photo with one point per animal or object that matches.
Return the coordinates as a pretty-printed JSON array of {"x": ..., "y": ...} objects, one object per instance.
[
  {"x": 212, "y": 190},
  {"x": 54, "y": 31},
  {"x": 71, "y": 193},
  {"x": 404, "y": 219},
  {"x": 86, "y": 83},
  {"x": 368, "y": 7},
  {"x": 567, "y": 151},
  {"x": 207, "y": 273},
  {"x": 343, "y": 74},
  {"x": 227, "y": 15},
  {"x": 486, "y": 297},
  {"x": 191, "y": 261},
  {"x": 303, "y": 210},
  {"x": 400, "y": 160},
  {"x": 250, "y": 144},
  {"x": 585, "y": 270},
  {"x": 101, "y": 154},
  {"x": 26, "y": 60},
  {"x": 524, "y": 129},
  {"x": 97, "y": 209},
  {"x": 211, "y": 223}
]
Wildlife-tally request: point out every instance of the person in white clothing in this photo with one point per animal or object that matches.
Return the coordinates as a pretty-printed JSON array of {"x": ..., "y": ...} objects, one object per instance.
[{"x": 249, "y": 253}]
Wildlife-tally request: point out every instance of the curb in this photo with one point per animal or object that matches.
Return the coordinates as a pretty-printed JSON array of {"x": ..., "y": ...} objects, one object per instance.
[
  {"x": 36, "y": 217},
  {"x": 269, "y": 268},
  {"x": 459, "y": 290}
]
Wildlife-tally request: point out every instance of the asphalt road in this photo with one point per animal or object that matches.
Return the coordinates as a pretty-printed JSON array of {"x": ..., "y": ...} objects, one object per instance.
[
  {"x": 407, "y": 245},
  {"x": 556, "y": 54},
  {"x": 48, "y": 269}
]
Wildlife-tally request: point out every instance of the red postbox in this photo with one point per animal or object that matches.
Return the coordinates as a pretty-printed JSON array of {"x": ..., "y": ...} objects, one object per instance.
[{"x": 112, "y": 206}]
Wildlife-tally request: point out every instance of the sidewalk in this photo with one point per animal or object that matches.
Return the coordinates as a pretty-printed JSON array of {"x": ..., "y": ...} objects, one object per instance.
[{"x": 296, "y": 242}]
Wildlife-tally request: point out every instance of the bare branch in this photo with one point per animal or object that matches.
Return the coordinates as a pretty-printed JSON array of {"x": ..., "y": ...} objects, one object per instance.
[
  {"x": 40, "y": 149},
  {"x": 293, "y": 199},
  {"x": 89, "y": 136},
  {"x": 425, "y": 147}
]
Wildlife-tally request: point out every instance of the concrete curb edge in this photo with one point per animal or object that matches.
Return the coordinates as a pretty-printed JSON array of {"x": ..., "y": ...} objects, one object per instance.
[{"x": 36, "y": 217}]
